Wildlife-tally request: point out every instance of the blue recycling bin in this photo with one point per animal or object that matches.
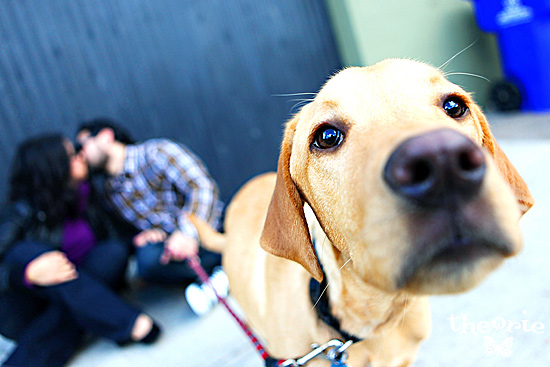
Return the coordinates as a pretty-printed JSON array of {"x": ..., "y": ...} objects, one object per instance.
[{"x": 523, "y": 31}]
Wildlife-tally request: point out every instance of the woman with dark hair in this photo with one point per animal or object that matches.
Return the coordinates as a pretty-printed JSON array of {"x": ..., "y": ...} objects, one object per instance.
[{"x": 60, "y": 260}]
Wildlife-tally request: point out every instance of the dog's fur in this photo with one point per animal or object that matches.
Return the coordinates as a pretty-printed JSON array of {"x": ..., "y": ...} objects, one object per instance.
[{"x": 365, "y": 235}]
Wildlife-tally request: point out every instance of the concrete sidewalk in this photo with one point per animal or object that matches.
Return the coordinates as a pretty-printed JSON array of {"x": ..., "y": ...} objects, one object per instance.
[{"x": 504, "y": 322}]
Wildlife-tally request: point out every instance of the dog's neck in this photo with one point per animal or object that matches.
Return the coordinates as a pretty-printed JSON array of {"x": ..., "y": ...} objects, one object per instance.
[{"x": 361, "y": 308}]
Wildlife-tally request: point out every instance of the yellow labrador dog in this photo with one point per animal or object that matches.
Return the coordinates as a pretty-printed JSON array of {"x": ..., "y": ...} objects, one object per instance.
[{"x": 390, "y": 187}]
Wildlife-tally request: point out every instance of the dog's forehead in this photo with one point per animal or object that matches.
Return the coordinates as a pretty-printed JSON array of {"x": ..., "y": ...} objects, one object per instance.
[{"x": 385, "y": 82}]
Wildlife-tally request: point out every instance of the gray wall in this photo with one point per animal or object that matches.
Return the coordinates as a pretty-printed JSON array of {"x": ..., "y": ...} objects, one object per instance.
[{"x": 202, "y": 72}]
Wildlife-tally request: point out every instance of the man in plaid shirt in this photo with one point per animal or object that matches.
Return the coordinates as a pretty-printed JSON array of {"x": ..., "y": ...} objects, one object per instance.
[{"x": 155, "y": 185}]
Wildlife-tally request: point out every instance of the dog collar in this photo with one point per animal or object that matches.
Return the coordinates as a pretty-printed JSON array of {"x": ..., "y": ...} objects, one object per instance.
[
  {"x": 323, "y": 309},
  {"x": 319, "y": 298}
]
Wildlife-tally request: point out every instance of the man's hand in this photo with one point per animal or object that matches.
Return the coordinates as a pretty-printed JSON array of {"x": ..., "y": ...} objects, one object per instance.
[
  {"x": 49, "y": 269},
  {"x": 149, "y": 236},
  {"x": 179, "y": 247}
]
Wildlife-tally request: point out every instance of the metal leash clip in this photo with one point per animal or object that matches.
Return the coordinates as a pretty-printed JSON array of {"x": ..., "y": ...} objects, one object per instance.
[{"x": 333, "y": 351}]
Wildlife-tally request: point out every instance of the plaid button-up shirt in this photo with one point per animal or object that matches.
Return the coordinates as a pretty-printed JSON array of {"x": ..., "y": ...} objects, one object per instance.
[{"x": 161, "y": 183}]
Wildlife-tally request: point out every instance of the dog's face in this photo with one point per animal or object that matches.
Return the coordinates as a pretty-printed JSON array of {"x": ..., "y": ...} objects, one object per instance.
[{"x": 404, "y": 176}]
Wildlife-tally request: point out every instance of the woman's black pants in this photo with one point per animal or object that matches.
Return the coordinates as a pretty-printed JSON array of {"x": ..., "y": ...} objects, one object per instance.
[{"x": 52, "y": 320}]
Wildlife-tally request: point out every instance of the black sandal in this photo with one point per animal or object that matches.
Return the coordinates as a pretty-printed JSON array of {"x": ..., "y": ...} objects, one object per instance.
[{"x": 148, "y": 339}]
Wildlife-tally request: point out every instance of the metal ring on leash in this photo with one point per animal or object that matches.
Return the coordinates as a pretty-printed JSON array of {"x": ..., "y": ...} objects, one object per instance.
[{"x": 333, "y": 351}]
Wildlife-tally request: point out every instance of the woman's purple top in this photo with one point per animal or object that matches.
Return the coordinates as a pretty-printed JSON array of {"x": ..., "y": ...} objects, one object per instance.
[{"x": 78, "y": 237}]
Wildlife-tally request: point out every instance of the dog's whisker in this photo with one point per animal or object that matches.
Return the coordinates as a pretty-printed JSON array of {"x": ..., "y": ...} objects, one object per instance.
[
  {"x": 328, "y": 283},
  {"x": 301, "y": 100},
  {"x": 346, "y": 263},
  {"x": 457, "y": 54},
  {"x": 300, "y": 104},
  {"x": 321, "y": 295},
  {"x": 293, "y": 94},
  {"x": 469, "y": 74}
]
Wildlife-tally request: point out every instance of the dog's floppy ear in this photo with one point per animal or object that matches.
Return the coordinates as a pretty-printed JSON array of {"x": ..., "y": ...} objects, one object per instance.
[
  {"x": 286, "y": 233},
  {"x": 519, "y": 187}
]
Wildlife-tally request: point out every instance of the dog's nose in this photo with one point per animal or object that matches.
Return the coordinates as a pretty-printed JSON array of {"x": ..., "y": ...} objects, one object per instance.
[{"x": 436, "y": 168}]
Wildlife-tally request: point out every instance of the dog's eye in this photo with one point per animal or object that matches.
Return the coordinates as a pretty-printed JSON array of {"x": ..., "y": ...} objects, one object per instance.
[
  {"x": 328, "y": 137},
  {"x": 455, "y": 107}
]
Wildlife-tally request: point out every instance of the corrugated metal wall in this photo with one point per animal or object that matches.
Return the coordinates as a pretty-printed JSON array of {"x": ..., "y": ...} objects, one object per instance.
[{"x": 203, "y": 72}]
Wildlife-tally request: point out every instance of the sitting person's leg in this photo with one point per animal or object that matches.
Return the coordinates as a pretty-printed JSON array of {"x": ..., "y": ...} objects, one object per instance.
[
  {"x": 91, "y": 305},
  {"x": 18, "y": 311},
  {"x": 44, "y": 332},
  {"x": 209, "y": 260},
  {"x": 48, "y": 341},
  {"x": 151, "y": 269},
  {"x": 201, "y": 298},
  {"x": 107, "y": 262}
]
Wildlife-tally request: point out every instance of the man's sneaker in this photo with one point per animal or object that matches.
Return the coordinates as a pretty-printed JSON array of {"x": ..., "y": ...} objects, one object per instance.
[{"x": 201, "y": 297}]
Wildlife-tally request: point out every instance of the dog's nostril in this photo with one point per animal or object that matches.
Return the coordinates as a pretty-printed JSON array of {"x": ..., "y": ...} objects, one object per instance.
[
  {"x": 421, "y": 171},
  {"x": 470, "y": 160},
  {"x": 414, "y": 173}
]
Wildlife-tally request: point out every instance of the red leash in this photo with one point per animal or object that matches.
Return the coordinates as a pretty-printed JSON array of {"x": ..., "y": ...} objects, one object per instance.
[{"x": 194, "y": 263}]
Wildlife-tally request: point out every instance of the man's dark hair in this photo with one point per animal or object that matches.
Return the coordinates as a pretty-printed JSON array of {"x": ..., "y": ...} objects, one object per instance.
[{"x": 94, "y": 126}]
